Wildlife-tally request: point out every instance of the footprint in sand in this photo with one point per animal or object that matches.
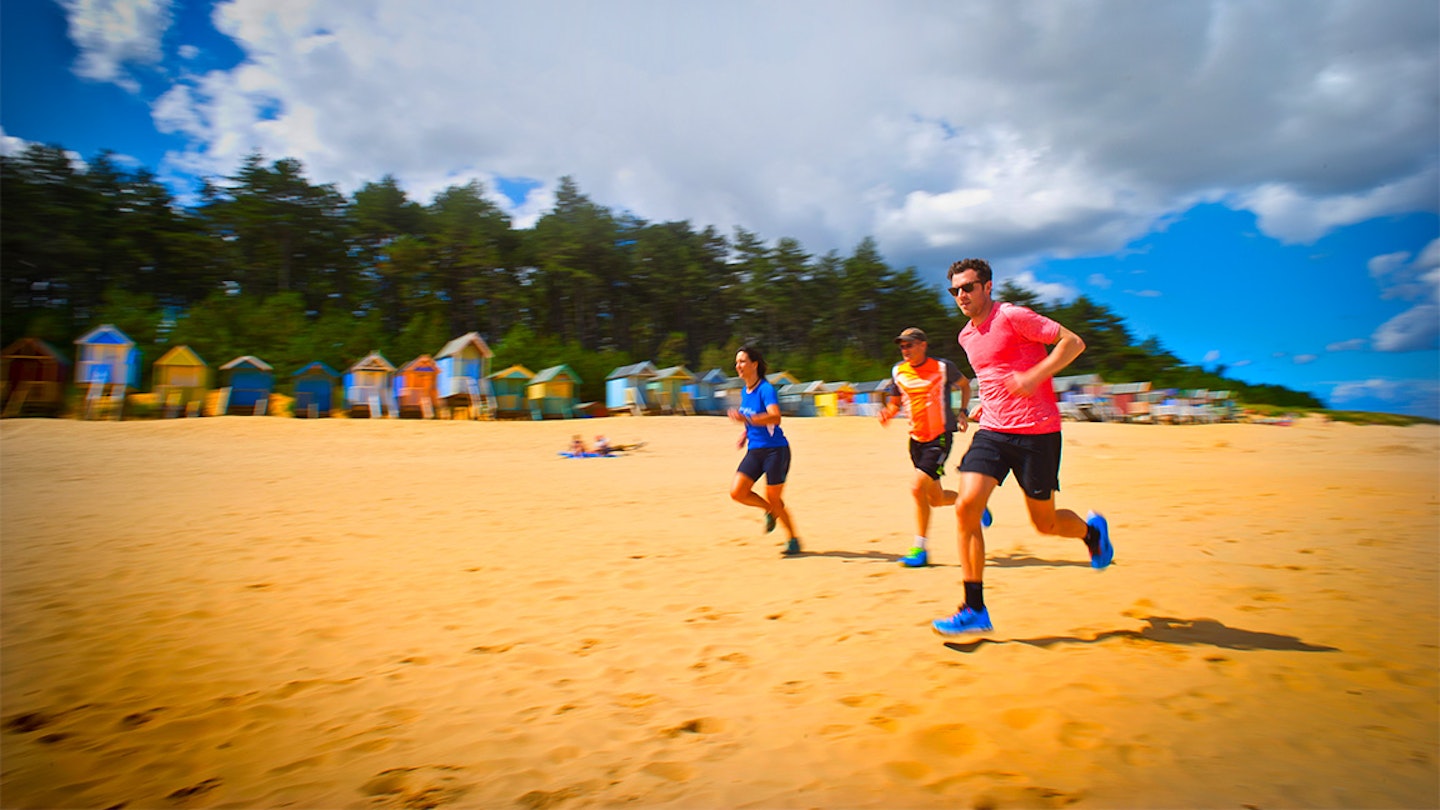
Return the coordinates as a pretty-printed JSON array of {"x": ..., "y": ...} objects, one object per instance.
[
  {"x": 952, "y": 740},
  {"x": 1085, "y": 736},
  {"x": 425, "y": 786}
]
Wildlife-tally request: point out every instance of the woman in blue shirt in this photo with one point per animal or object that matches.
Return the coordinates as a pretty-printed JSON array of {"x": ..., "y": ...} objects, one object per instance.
[{"x": 769, "y": 452}]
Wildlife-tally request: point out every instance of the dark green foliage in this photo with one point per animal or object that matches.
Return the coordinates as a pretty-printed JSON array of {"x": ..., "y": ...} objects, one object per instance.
[{"x": 271, "y": 265}]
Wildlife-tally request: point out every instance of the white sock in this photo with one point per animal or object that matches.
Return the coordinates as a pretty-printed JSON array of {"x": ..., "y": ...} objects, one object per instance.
[{"x": 919, "y": 541}]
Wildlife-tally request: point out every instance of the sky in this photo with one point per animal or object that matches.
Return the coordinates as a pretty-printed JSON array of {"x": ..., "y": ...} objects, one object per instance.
[{"x": 1255, "y": 183}]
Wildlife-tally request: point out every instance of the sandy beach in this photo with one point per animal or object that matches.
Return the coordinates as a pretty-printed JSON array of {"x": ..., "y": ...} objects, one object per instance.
[{"x": 263, "y": 612}]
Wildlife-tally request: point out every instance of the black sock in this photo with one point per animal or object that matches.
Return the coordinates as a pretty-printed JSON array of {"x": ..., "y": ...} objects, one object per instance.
[
  {"x": 975, "y": 595},
  {"x": 1092, "y": 539}
]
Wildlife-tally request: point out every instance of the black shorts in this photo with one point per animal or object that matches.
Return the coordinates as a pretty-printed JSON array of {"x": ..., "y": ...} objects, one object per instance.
[
  {"x": 1035, "y": 458},
  {"x": 771, "y": 462},
  {"x": 929, "y": 457}
]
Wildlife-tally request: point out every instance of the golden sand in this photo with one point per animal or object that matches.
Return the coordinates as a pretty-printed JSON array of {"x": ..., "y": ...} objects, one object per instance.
[{"x": 258, "y": 612}]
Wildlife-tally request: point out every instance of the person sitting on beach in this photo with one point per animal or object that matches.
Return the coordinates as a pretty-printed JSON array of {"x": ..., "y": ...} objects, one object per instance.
[
  {"x": 602, "y": 446},
  {"x": 1019, "y": 431},
  {"x": 577, "y": 446}
]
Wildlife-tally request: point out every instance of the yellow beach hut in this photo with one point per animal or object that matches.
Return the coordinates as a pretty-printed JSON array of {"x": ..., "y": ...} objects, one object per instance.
[
  {"x": 668, "y": 389},
  {"x": 552, "y": 393},
  {"x": 181, "y": 381}
]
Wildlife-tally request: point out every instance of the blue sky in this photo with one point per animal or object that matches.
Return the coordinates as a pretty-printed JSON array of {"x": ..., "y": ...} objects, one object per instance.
[{"x": 1255, "y": 183}]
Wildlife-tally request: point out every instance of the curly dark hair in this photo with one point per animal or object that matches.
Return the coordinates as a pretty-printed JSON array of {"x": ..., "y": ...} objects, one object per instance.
[{"x": 980, "y": 266}]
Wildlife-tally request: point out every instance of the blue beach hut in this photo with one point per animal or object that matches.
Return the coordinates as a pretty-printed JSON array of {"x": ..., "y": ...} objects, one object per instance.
[
  {"x": 367, "y": 387},
  {"x": 250, "y": 380},
  {"x": 105, "y": 355},
  {"x": 625, "y": 388},
  {"x": 464, "y": 372},
  {"x": 315, "y": 389},
  {"x": 708, "y": 399}
]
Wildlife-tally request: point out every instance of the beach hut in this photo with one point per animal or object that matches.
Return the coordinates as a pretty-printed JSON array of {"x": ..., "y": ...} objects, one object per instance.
[
  {"x": 708, "y": 395},
  {"x": 416, "y": 391},
  {"x": 367, "y": 387},
  {"x": 250, "y": 381},
  {"x": 107, "y": 366},
  {"x": 798, "y": 399},
  {"x": 667, "y": 389},
  {"x": 782, "y": 378},
  {"x": 181, "y": 381},
  {"x": 870, "y": 397},
  {"x": 508, "y": 385},
  {"x": 32, "y": 378},
  {"x": 835, "y": 399},
  {"x": 315, "y": 390},
  {"x": 625, "y": 388},
  {"x": 464, "y": 375},
  {"x": 552, "y": 393},
  {"x": 727, "y": 394}
]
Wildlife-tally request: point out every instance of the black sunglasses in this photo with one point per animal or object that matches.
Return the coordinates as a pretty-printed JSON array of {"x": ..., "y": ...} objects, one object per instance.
[{"x": 969, "y": 288}]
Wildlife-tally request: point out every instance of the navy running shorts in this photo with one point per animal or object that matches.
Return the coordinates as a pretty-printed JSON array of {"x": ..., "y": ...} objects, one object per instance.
[{"x": 771, "y": 462}]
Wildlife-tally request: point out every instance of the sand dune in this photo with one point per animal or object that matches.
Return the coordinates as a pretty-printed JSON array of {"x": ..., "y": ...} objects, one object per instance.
[{"x": 258, "y": 612}]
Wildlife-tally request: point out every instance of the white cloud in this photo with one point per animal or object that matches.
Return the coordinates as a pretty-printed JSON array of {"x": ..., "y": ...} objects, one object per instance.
[
  {"x": 872, "y": 122},
  {"x": 1240, "y": 363},
  {"x": 1052, "y": 292},
  {"x": 1418, "y": 397},
  {"x": 1304, "y": 359},
  {"x": 1098, "y": 280},
  {"x": 1212, "y": 355},
  {"x": 1355, "y": 345},
  {"x": 1415, "y": 329},
  {"x": 1145, "y": 293},
  {"x": 113, "y": 33}
]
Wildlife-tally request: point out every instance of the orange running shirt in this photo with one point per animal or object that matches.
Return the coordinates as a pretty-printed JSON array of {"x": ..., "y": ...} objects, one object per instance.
[{"x": 927, "y": 390}]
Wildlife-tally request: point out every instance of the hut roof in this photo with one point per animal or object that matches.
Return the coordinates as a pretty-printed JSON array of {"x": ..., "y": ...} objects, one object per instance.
[
  {"x": 467, "y": 339},
  {"x": 714, "y": 375},
  {"x": 645, "y": 369},
  {"x": 674, "y": 372},
  {"x": 30, "y": 348},
  {"x": 555, "y": 372},
  {"x": 870, "y": 387},
  {"x": 1063, "y": 384},
  {"x": 422, "y": 363},
  {"x": 105, "y": 334},
  {"x": 180, "y": 356},
  {"x": 782, "y": 378},
  {"x": 837, "y": 387},
  {"x": 374, "y": 361},
  {"x": 248, "y": 360},
  {"x": 516, "y": 371},
  {"x": 812, "y": 387},
  {"x": 314, "y": 367}
]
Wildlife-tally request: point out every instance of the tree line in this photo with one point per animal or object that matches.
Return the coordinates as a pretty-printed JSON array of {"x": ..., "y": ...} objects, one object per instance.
[{"x": 270, "y": 264}]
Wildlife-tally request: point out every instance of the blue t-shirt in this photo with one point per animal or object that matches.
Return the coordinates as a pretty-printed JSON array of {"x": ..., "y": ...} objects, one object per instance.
[{"x": 754, "y": 403}]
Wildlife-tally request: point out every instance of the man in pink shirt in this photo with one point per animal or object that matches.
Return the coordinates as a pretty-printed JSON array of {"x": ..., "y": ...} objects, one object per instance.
[{"x": 1019, "y": 431}]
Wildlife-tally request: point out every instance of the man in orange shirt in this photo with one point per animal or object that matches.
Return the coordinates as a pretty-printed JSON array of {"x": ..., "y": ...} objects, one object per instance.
[{"x": 925, "y": 383}]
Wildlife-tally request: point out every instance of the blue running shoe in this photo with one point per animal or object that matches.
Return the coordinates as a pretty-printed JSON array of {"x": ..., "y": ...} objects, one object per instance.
[
  {"x": 1107, "y": 550},
  {"x": 792, "y": 548},
  {"x": 966, "y": 621},
  {"x": 917, "y": 558},
  {"x": 986, "y": 518},
  {"x": 769, "y": 523}
]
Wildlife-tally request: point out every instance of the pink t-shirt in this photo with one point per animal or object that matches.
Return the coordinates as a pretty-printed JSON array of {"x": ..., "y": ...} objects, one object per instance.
[{"x": 1012, "y": 339}]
